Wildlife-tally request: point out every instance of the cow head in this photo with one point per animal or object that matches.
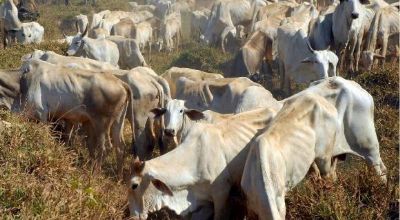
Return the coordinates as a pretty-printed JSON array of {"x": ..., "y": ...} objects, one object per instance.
[
  {"x": 351, "y": 8},
  {"x": 322, "y": 62},
  {"x": 367, "y": 59},
  {"x": 146, "y": 192},
  {"x": 174, "y": 114},
  {"x": 77, "y": 42},
  {"x": 25, "y": 35}
]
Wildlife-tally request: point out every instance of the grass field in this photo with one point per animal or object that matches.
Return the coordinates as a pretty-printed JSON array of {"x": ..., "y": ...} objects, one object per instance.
[{"x": 42, "y": 178}]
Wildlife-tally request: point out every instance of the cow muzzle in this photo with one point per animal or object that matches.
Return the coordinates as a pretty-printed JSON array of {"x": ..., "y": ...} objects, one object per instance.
[
  {"x": 354, "y": 15},
  {"x": 169, "y": 132}
]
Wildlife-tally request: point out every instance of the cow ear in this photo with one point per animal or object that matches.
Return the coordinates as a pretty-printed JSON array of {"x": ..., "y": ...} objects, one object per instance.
[
  {"x": 157, "y": 112},
  {"x": 194, "y": 114},
  {"x": 162, "y": 187},
  {"x": 378, "y": 56},
  {"x": 310, "y": 59}
]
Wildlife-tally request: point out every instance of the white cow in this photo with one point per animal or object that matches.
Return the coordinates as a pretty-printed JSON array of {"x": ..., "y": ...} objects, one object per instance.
[
  {"x": 302, "y": 132},
  {"x": 355, "y": 107},
  {"x": 144, "y": 35},
  {"x": 12, "y": 24},
  {"x": 129, "y": 52},
  {"x": 97, "y": 49},
  {"x": 299, "y": 61},
  {"x": 202, "y": 179},
  {"x": 30, "y": 32},
  {"x": 79, "y": 96},
  {"x": 170, "y": 28},
  {"x": 343, "y": 17}
]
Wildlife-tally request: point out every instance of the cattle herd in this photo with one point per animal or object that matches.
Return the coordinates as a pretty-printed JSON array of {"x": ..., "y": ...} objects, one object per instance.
[{"x": 213, "y": 131}]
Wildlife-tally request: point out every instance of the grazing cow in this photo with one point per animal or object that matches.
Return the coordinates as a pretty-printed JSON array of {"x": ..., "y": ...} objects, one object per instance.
[
  {"x": 299, "y": 61},
  {"x": 302, "y": 132},
  {"x": 12, "y": 24},
  {"x": 148, "y": 89},
  {"x": 172, "y": 75},
  {"x": 227, "y": 95},
  {"x": 68, "y": 61},
  {"x": 99, "y": 101},
  {"x": 170, "y": 29},
  {"x": 97, "y": 49},
  {"x": 81, "y": 21},
  {"x": 385, "y": 29},
  {"x": 202, "y": 179},
  {"x": 129, "y": 53},
  {"x": 355, "y": 108},
  {"x": 30, "y": 32}
]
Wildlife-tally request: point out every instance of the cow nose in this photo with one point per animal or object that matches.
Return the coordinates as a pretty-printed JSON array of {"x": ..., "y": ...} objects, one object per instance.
[
  {"x": 354, "y": 15},
  {"x": 169, "y": 132}
]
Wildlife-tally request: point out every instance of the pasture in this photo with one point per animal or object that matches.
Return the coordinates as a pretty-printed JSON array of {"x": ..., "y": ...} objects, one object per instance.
[{"x": 43, "y": 178}]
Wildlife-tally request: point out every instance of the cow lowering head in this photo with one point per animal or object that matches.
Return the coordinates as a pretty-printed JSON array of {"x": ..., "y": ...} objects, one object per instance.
[
  {"x": 146, "y": 192},
  {"x": 174, "y": 114},
  {"x": 76, "y": 45},
  {"x": 324, "y": 62},
  {"x": 367, "y": 59}
]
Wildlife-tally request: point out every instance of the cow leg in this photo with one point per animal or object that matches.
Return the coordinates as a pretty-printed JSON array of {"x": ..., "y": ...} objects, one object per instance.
[
  {"x": 118, "y": 141},
  {"x": 102, "y": 130},
  {"x": 220, "y": 198},
  {"x": 90, "y": 141},
  {"x": 384, "y": 48},
  {"x": 358, "y": 50}
]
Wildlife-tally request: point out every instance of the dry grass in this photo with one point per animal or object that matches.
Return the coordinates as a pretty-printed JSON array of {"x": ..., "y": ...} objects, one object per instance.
[
  {"x": 43, "y": 178},
  {"x": 40, "y": 177}
]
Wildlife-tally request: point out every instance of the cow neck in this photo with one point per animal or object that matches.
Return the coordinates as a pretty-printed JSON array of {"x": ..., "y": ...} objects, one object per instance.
[{"x": 186, "y": 125}]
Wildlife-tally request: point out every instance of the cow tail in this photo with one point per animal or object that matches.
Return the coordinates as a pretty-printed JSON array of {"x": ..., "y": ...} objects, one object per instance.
[{"x": 130, "y": 114}]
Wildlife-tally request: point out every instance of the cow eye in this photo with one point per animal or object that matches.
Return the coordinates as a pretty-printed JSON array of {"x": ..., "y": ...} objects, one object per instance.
[
  {"x": 181, "y": 111},
  {"x": 29, "y": 35}
]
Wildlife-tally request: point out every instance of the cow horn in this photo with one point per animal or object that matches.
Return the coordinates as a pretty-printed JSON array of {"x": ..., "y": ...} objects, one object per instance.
[
  {"x": 86, "y": 30},
  {"x": 138, "y": 165},
  {"x": 309, "y": 46}
]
